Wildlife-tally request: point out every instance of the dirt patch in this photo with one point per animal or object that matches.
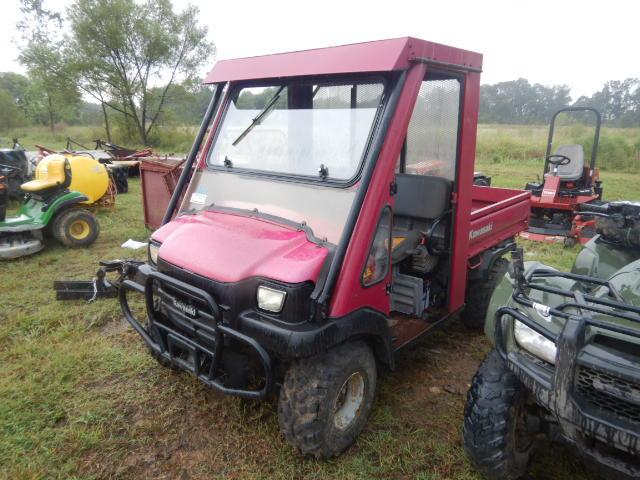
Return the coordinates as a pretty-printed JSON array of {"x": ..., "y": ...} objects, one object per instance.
[{"x": 176, "y": 428}]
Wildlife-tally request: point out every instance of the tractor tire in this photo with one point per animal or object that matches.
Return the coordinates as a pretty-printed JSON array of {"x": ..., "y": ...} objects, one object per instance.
[
  {"x": 120, "y": 177},
  {"x": 325, "y": 400},
  {"x": 479, "y": 296},
  {"x": 495, "y": 432},
  {"x": 76, "y": 227}
]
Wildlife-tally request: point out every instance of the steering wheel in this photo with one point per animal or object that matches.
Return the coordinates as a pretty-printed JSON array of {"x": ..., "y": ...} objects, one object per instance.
[{"x": 558, "y": 160}]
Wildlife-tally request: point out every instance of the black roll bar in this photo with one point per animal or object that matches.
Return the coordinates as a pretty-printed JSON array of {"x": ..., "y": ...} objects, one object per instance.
[{"x": 596, "y": 137}]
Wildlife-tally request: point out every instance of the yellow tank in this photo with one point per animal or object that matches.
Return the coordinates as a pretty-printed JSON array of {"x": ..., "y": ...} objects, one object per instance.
[{"x": 88, "y": 176}]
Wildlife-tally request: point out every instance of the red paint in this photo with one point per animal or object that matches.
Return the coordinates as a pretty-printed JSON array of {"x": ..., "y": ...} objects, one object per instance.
[
  {"x": 463, "y": 193},
  {"x": 550, "y": 190},
  {"x": 497, "y": 214},
  {"x": 562, "y": 203},
  {"x": 377, "y": 56},
  {"x": 229, "y": 248},
  {"x": 350, "y": 295}
]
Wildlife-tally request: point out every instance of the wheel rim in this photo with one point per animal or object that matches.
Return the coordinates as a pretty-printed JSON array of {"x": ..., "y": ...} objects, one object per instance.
[
  {"x": 349, "y": 401},
  {"x": 79, "y": 229}
]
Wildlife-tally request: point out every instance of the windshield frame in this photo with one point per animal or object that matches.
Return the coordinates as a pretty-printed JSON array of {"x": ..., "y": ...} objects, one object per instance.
[{"x": 334, "y": 80}]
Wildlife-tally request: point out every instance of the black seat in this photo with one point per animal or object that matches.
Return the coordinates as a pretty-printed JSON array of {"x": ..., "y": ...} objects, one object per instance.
[{"x": 421, "y": 200}]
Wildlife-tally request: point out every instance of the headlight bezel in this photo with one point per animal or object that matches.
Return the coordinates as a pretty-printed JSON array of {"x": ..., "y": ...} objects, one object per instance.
[
  {"x": 152, "y": 252},
  {"x": 270, "y": 299},
  {"x": 534, "y": 343}
]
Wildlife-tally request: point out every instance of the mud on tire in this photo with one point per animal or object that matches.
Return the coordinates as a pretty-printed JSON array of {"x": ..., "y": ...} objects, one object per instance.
[
  {"x": 314, "y": 392},
  {"x": 76, "y": 227},
  {"x": 479, "y": 296},
  {"x": 495, "y": 440}
]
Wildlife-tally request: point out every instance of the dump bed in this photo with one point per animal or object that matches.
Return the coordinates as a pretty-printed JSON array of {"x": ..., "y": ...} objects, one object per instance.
[{"x": 496, "y": 215}]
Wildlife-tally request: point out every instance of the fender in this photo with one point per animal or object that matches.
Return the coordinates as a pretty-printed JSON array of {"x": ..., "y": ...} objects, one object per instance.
[
  {"x": 366, "y": 324},
  {"x": 50, "y": 209},
  {"x": 488, "y": 258}
]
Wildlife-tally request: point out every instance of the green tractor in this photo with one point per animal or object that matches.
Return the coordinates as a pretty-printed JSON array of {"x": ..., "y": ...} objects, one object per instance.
[
  {"x": 48, "y": 207},
  {"x": 565, "y": 365}
]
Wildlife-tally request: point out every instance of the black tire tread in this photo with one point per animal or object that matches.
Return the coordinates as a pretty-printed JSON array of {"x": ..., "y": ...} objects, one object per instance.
[
  {"x": 63, "y": 218},
  {"x": 486, "y": 427},
  {"x": 302, "y": 405},
  {"x": 479, "y": 296}
]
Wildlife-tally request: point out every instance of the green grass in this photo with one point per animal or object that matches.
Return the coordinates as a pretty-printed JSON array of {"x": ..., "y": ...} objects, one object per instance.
[
  {"x": 619, "y": 148},
  {"x": 80, "y": 397}
]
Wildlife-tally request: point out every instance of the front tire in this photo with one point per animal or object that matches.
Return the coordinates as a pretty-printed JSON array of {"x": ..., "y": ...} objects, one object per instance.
[
  {"x": 495, "y": 431},
  {"x": 76, "y": 227},
  {"x": 325, "y": 400}
]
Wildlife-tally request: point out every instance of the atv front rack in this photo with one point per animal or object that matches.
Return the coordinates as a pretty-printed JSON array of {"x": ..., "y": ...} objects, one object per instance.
[{"x": 561, "y": 388}]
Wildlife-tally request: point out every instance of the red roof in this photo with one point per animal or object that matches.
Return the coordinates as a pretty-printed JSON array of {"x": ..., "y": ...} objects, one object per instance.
[{"x": 376, "y": 56}]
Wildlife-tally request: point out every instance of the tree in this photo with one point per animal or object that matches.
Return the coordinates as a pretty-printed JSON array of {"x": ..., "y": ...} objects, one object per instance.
[
  {"x": 41, "y": 53},
  {"x": 121, "y": 49},
  {"x": 517, "y": 101},
  {"x": 10, "y": 114},
  {"x": 16, "y": 85},
  {"x": 618, "y": 101}
]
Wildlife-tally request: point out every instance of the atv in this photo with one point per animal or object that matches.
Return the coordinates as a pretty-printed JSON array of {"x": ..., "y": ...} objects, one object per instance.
[
  {"x": 48, "y": 206},
  {"x": 566, "y": 360},
  {"x": 569, "y": 182}
]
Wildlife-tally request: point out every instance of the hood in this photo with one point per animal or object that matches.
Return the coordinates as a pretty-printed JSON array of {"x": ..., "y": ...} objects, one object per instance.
[{"x": 228, "y": 247}]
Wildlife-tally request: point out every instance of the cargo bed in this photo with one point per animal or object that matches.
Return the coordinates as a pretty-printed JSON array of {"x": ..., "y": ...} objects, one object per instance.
[{"x": 496, "y": 214}]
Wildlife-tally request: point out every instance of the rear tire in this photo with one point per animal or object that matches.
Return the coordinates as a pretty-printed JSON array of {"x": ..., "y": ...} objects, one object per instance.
[
  {"x": 479, "y": 296},
  {"x": 76, "y": 227},
  {"x": 120, "y": 178},
  {"x": 325, "y": 400},
  {"x": 495, "y": 434}
]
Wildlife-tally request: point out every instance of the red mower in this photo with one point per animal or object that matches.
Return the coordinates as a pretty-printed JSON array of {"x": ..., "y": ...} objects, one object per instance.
[
  {"x": 568, "y": 183},
  {"x": 304, "y": 246}
]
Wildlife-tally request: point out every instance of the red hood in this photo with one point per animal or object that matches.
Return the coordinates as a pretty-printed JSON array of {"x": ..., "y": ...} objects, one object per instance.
[{"x": 229, "y": 248}]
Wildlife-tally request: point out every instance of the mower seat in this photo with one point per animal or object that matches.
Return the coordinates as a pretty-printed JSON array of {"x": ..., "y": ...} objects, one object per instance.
[
  {"x": 52, "y": 173},
  {"x": 573, "y": 170},
  {"x": 421, "y": 199}
]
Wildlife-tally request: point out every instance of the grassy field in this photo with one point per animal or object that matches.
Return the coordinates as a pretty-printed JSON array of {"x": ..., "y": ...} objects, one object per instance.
[{"x": 80, "y": 397}]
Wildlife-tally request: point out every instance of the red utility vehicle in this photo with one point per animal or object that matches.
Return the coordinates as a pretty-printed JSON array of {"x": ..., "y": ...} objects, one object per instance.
[
  {"x": 302, "y": 248},
  {"x": 569, "y": 182}
]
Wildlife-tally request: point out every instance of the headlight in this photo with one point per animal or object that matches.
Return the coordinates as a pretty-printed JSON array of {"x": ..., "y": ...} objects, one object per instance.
[
  {"x": 153, "y": 252},
  {"x": 270, "y": 299},
  {"x": 535, "y": 343}
]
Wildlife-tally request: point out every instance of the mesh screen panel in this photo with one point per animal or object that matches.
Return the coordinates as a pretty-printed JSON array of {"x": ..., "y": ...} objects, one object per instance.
[{"x": 433, "y": 130}]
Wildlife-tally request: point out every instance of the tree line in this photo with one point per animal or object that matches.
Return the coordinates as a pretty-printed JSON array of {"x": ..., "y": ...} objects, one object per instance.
[{"x": 519, "y": 102}]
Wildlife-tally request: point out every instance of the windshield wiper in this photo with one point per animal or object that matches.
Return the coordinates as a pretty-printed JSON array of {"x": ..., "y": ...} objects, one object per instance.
[{"x": 258, "y": 119}]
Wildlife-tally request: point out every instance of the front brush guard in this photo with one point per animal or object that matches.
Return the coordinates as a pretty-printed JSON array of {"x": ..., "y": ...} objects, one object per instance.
[{"x": 207, "y": 323}]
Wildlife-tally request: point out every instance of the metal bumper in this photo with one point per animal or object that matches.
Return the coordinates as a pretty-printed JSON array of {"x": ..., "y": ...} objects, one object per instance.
[
  {"x": 596, "y": 433},
  {"x": 206, "y": 345}
]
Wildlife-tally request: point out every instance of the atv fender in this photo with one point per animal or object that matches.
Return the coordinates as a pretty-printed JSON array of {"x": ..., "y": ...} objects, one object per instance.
[{"x": 601, "y": 259}]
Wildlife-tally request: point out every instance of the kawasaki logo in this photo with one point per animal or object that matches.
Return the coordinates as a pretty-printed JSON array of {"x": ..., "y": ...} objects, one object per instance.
[
  {"x": 184, "y": 308},
  {"x": 473, "y": 234}
]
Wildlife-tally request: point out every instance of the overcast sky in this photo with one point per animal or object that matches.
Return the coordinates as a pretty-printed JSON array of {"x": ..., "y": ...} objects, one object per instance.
[{"x": 578, "y": 43}]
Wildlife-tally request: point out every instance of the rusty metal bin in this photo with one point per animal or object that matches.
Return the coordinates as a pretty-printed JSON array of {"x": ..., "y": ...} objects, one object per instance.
[{"x": 159, "y": 178}]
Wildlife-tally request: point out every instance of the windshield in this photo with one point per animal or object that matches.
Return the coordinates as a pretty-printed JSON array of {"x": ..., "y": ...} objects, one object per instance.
[
  {"x": 304, "y": 129},
  {"x": 292, "y": 150}
]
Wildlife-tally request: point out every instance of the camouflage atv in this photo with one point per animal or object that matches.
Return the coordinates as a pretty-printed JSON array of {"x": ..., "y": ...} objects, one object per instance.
[{"x": 566, "y": 359}]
